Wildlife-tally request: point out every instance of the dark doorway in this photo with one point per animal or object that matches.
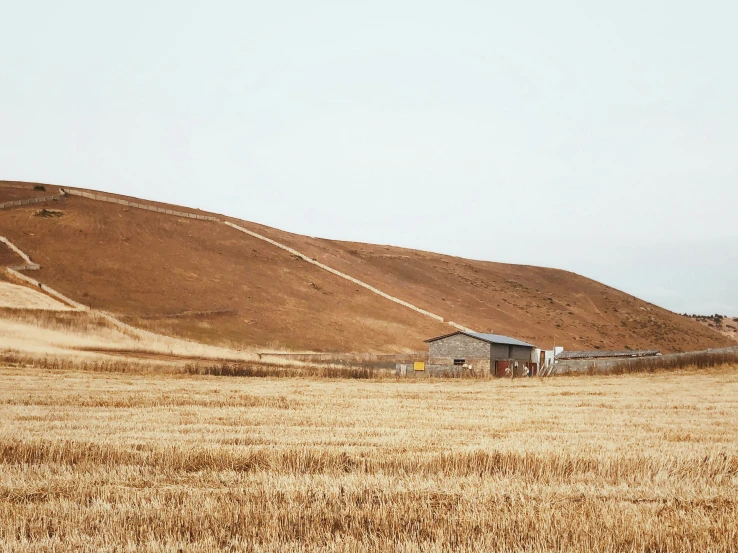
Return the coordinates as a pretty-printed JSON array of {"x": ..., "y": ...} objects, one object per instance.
[{"x": 501, "y": 367}]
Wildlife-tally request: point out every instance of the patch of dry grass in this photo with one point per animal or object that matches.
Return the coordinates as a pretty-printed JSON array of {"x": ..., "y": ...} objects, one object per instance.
[
  {"x": 44, "y": 332},
  {"x": 88, "y": 341},
  {"x": 87, "y": 335},
  {"x": 16, "y": 296},
  {"x": 73, "y": 321},
  {"x": 698, "y": 360},
  {"x": 94, "y": 461}
]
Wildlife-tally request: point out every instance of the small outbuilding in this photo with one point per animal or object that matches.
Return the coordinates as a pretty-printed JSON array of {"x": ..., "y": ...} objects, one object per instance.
[
  {"x": 606, "y": 354},
  {"x": 482, "y": 354},
  {"x": 580, "y": 361}
]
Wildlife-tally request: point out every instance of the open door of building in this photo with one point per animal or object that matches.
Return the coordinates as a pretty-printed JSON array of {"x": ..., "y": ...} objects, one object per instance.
[{"x": 501, "y": 367}]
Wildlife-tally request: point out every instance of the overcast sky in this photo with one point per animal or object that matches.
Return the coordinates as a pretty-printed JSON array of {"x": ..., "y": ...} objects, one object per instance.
[{"x": 598, "y": 137}]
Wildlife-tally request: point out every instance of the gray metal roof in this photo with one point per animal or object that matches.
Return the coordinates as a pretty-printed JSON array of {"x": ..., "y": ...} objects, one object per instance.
[
  {"x": 499, "y": 339},
  {"x": 491, "y": 338}
]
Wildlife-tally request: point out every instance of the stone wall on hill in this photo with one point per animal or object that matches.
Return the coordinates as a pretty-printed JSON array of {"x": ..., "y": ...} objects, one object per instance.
[
  {"x": 28, "y": 201},
  {"x": 136, "y": 205}
]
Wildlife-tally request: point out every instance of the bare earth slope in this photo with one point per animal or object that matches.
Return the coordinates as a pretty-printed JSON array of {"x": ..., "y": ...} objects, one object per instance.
[
  {"x": 207, "y": 281},
  {"x": 532, "y": 303}
]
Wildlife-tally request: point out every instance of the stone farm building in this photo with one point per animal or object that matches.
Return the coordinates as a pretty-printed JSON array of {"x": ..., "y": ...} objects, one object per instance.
[{"x": 483, "y": 354}]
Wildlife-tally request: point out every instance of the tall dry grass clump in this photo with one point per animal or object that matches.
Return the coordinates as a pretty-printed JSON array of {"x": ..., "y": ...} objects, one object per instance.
[
  {"x": 285, "y": 370},
  {"x": 698, "y": 360},
  {"x": 115, "y": 461},
  {"x": 81, "y": 321}
]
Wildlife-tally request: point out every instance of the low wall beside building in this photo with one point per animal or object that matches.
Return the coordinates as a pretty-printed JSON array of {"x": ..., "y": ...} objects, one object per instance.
[
  {"x": 565, "y": 366},
  {"x": 584, "y": 365}
]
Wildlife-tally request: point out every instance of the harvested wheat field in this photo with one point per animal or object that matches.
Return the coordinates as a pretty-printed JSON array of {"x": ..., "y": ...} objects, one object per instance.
[{"x": 93, "y": 461}]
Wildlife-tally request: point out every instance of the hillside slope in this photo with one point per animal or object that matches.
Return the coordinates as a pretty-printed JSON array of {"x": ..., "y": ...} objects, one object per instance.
[
  {"x": 532, "y": 303},
  {"x": 207, "y": 281}
]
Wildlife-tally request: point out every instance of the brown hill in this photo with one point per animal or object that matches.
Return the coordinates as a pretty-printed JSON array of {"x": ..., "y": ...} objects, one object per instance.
[{"x": 210, "y": 282}]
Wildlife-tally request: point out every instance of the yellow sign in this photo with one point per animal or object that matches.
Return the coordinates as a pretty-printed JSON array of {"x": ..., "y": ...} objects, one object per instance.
[{"x": 419, "y": 366}]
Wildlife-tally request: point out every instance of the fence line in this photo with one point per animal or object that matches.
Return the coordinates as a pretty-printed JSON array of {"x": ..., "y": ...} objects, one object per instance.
[
  {"x": 608, "y": 364},
  {"x": 345, "y": 276},
  {"x": 17, "y": 250},
  {"x": 109, "y": 199},
  {"x": 15, "y": 203}
]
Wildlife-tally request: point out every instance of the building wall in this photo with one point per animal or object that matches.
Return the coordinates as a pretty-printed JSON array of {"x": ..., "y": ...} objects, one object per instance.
[
  {"x": 500, "y": 351},
  {"x": 459, "y": 346},
  {"x": 521, "y": 353},
  {"x": 478, "y": 365},
  {"x": 477, "y": 353},
  {"x": 407, "y": 371}
]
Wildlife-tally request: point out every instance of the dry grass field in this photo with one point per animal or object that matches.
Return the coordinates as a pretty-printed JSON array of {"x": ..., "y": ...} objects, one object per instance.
[
  {"x": 93, "y": 461},
  {"x": 24, "y": 297},
  {"x": 75, "y": 334}
]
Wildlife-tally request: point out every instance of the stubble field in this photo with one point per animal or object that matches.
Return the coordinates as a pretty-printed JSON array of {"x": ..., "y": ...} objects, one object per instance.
[{"x": 141, "y": 462}]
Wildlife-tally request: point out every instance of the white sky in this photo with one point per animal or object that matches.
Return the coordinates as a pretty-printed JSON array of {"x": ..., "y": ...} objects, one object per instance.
[{"x": 602, "y": 140}]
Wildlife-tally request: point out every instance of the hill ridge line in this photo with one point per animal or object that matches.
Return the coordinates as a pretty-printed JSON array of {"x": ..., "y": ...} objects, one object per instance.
[{"x": 109, "y": 199}]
